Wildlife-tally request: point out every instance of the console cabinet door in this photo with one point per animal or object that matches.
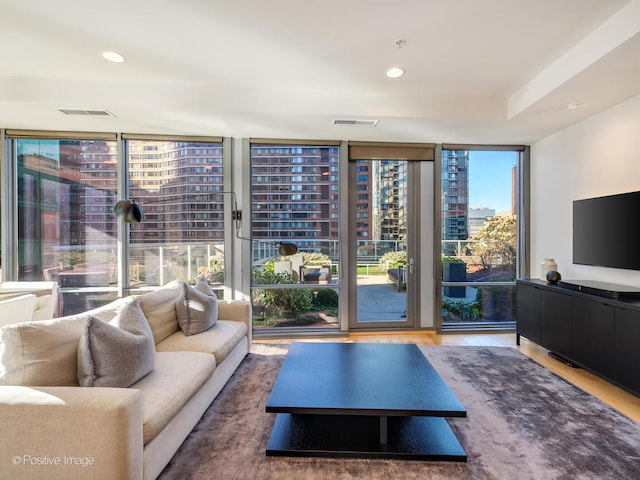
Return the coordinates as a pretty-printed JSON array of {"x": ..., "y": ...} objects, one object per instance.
[
  {"x": 593, "y": 335},
  {"x": 627, "y": 348},
  {"x": 528, "y": 312},
  {"x": 555, "y": 322}
]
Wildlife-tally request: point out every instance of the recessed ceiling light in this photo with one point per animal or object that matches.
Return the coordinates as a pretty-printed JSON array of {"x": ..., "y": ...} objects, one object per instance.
[
  {"x": 572, "y": 106},
  {"x": 113, "y": 56},
  {"x": 395, "y": 72}
]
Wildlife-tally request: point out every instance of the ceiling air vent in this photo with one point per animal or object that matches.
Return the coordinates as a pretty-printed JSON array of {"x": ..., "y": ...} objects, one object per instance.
[
  {"x": 90, "y": 113},
  {"x": 355, "y": 123}
]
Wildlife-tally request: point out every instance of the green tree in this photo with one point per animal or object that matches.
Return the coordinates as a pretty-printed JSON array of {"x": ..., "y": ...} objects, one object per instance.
[
  {"x": 393, "y": 260},
  {"x": 496, "y": 242}
]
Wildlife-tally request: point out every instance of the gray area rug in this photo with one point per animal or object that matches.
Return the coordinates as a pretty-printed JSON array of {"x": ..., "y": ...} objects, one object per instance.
[{"x": 524, "y": 422}]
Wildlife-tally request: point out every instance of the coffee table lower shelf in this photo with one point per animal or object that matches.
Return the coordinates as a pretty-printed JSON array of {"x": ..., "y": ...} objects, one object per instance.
[{"x": 413, "y": 438}]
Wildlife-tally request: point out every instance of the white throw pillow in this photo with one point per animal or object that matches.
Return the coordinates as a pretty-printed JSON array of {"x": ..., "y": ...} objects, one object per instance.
[{"x": 116, "y": 353}]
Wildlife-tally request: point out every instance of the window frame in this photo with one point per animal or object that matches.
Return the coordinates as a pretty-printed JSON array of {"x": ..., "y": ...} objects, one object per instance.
[
  {"x": 522, "y": 202},
  {"x": 299, "y": 149}
]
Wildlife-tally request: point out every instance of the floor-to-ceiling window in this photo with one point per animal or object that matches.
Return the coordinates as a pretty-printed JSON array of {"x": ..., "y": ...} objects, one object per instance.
[
  {"x": 66, "y": 230},
  {"x": 479, "y": 236},
  {"x": 178, "y": 184},
  {"x": 295, "y": 198},
  {"x": 66, "y": 189}
]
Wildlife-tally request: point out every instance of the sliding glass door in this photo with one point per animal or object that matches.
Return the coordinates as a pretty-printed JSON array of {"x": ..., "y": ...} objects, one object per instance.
[
  {"x": 389, "y": 243},
  {"x": 384, "y": 260}
]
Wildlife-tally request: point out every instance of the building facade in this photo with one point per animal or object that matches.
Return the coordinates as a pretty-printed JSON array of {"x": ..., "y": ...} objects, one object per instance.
[{"x": 455, "y": 199}]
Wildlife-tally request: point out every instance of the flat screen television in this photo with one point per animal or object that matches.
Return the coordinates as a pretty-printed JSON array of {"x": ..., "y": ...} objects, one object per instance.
[{"x": 606, "y": 231}]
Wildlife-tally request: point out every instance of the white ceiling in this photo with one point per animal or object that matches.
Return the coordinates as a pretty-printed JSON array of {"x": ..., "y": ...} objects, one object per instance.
[{"x": 477, "y": 71}]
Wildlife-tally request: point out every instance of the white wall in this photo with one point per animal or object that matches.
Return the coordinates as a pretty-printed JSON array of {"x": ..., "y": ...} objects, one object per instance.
[{"x": 599, "y": 156}]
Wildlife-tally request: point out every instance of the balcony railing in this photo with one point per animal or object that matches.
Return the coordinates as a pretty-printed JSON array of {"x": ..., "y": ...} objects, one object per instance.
[{"x": 157, "y": 263}]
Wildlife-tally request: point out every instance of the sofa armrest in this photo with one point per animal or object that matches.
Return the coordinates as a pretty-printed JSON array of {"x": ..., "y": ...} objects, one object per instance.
[
  {"x": 70, "y": 432},
  {"x": 236, "y": 310}
]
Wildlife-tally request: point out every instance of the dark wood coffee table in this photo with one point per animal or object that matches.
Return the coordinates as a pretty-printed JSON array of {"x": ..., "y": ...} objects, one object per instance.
[{"x": 362, "y": 400}]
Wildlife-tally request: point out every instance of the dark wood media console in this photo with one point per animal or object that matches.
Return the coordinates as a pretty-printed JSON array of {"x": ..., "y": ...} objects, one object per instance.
[{"x": 594, "y": 328}]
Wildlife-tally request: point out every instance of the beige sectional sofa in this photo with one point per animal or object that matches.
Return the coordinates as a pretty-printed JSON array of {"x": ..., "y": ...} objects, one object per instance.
[{"x": 50, "y": 429}]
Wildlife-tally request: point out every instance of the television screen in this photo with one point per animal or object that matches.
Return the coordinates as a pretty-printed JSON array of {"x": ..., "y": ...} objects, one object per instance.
[{"x": 606, "y": 231}]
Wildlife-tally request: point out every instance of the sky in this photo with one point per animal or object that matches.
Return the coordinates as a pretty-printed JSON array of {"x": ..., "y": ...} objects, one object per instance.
[{"x": 490, "y": 179}]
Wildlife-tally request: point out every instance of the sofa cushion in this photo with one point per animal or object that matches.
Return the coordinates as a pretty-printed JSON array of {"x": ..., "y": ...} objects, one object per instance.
[
  {"x": 40, "y": 353},
  {"x": 45, "y": 352},
  {"x": 196, "y": 308},
  {"x": 218, "y": 341},
  {"x": 159, "y": 307},
  {"x": 17, "y": 309},
  {"x": 118, "y": 353},
  {"x": 176, "y": 378}
]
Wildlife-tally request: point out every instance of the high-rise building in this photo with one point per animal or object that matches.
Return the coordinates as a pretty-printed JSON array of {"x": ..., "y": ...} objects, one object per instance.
[
  {"x": 295, "y": 195},
  {"x": 178, "y": 185},
  {"x": 391, "y": 178},
  {"x": 68, "y": 190},
  {"x": 366, "y": 209},
  {"x": 478, "y": 216},
  {"x": 381, "y": 206},
  {"x": 63, "y": 202},
  {"x": 455, "y": 198}
]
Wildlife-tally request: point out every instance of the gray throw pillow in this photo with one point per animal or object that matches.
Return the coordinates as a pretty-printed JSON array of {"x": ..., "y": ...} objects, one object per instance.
[
  {"x": 116, "y": 353},
  {"x": 196, "y": 311}
]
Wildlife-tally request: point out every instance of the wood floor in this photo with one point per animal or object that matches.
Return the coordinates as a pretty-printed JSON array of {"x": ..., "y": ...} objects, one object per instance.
[{"x": 616, "y": 397}]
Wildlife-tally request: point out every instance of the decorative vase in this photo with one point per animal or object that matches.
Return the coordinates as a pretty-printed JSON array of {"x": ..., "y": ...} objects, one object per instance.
[
  {"x": 548, "y": 265},
  {"x": 553, "y": 277}
]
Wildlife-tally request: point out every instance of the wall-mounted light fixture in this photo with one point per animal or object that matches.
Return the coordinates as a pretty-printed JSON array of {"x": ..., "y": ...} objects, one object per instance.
[{"x": 131, "y": 211}]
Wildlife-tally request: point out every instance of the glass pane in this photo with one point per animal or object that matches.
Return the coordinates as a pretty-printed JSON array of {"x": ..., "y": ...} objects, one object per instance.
[
  {"x": 178, "y": 185},
  {"x": 479, "y": 226},
  {"x": 295, "y": 198},
  {"x": 78, "y": 302},
  {"x": 66, "y": 226},
  {"x": 381, "y": 217},
  {"x": 299, "y": 307},
  {"x": 484, "y": 303}
]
